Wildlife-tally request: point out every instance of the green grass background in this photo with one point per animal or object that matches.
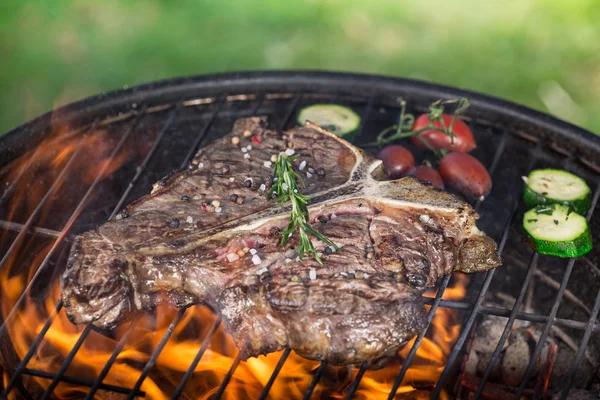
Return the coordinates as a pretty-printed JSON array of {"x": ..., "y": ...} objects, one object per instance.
[{"x": 544, "y": 54}]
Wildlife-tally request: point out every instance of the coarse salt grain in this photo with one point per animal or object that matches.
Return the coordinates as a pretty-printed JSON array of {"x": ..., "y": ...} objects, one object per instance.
[
  {"x": 343, "y": 274},
  {"x": 231, "y": 179},
  {"x": 252, "y": 251},
  {"x": 284, "y": 186},
  {"x": 262, "y": 187},
  {"x": 246, "y": 156},
  {"x": 249, "y": 147},
  {"x": 189, "y": 219},
  {"x": 268, "y": 164},
  {"x": 311, "y": 170},
  {"x": 218, "y": 209},
  {"x": 312, "y": 274},
  {"x": 256, "y": 259},
  {"x": 201, "y": 165},
  {"x": 308, "y": 175},
  {"x": 244, "y": 149},
  {"x": 367, "y": 276},
  {"x": 261, "y": 271},
  {"x": 333, "y": 216},
  {"x": 302, "y": 165},
  {"x": 289, "y": 152},
  {"x": 231, "y": 257},
  {"x": 424, "y": 218}
]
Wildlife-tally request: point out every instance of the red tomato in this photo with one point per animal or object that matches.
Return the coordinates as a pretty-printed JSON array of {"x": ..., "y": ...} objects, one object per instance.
[
  {"x": 466, "y": 174},
  {"x": 428, "y": 174},
  {"x": 398, "y": 161},
  {"x": 463, "y": 137}
]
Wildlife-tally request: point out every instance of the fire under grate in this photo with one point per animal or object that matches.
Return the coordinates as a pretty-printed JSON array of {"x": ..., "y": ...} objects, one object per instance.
[{"x": 187, "y": 114}]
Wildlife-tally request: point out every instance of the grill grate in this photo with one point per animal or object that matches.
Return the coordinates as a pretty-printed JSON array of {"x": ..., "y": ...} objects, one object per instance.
[{"x": 282, "y": 106}]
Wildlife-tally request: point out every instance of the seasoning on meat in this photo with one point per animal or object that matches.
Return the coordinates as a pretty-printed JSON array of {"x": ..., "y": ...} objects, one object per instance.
[{"x": 362, "y": 304}]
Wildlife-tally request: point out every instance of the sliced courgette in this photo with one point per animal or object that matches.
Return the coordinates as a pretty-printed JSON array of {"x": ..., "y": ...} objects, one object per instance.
[
  {"x": 558, "y": 231},
  {"x": 335, "y": 118},
  {"x": 555, "y": 186}
]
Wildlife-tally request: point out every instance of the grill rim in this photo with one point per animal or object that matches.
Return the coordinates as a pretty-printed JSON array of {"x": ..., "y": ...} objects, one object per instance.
[{"x": 518, "y": 117}]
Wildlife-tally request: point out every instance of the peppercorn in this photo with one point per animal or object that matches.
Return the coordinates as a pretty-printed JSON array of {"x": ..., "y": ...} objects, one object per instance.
[
  {"x": 233, "y": 197},
  {"x": 322, "y": 219},
  {"x": 321, "y": 172},
  {"x": 174, "y": 223},
  {"x": 185, "y": 197},
  {"x": 225, "y": 169}
]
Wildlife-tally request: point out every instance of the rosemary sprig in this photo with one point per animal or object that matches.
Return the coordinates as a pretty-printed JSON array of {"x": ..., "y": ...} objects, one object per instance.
[
  {"x": 406, "y": 121},
  {"x": 285, "y": 188}
]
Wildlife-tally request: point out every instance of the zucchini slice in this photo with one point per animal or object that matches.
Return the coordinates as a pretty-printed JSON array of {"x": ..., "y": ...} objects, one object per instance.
[
  {"x": 558, "y": 231},
  {"x": 335, "y": 118},
  {"x": 555, "y": 186}
]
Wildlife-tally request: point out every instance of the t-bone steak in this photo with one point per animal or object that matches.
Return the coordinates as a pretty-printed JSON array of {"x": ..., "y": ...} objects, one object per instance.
[{"x": 208, "y": 235}]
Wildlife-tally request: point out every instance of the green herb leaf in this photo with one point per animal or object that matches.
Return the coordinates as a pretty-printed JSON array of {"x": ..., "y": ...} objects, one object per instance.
[
  {"x": 532, "y": 220},
  {"x": 285, "y": 188}
]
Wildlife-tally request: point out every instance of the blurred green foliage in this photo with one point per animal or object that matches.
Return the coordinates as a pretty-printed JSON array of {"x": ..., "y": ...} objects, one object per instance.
[{"x": 544, "y": 53}]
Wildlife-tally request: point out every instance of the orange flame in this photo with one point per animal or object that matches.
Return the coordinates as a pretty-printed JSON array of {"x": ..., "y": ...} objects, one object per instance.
[{"x": 90, "y": 154}]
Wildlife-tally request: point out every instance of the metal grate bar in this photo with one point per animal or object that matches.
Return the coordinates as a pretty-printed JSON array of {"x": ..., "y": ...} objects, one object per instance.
[
  {"x": 150, "y": 363},
  {"x": 356, "y": 381},
  {"x": 228, "y": 377},
  {"x": 32, "y": 349},
  {"x": 25, "y": 228},
  {"x": 197, "y": 358},
  {"x": 78, "y": 381},
  {"x": 365, "y": 116},
  {"x": 66, "y": 362},
  {"x": 113, "y": 357},
  {"x": 508, "y": 326},
  {"x": 415, "y": 347},
  {"x": 16, "y": 227},
  {"x": 581, "y": 350},
  {"x": 80, "y": 206},
  {"x": 8, "y": 192},
  {"x": 290, "y": 111},
  {"x": 315, "y": 380},
  {"x": 278, "y": 367},
  {"x": 521, "y": 315},
  {"x": 194, "y": 147},
  {"x": 554, "y": 310},
  {"x": 482, "y": 292},
  {"x": 142, "y": 167}
]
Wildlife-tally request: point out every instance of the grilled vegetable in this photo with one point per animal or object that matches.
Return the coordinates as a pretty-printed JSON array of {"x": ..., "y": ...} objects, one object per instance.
[
  {"x": 460, "y": 140},
  {"x": 558, "y": 231},
  {"x": 466, "y": 174},
  {"x": 429, "y": 174},
  {"x": 555, "y": 186},
  {"x": 398, "y": 161},
  {"x": 338, "y": 119}
]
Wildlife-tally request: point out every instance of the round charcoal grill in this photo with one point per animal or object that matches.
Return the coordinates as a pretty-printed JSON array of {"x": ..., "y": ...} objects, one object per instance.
[{"x": 156, "y": 128}]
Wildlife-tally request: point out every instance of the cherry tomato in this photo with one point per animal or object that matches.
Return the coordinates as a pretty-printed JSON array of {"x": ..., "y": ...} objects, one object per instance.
[
  {"x": 463, "y": 137},
  {"x": 398, "y": 161},
  {"x": 428, "y": 174},
  {"x": 466, "y": 174}
]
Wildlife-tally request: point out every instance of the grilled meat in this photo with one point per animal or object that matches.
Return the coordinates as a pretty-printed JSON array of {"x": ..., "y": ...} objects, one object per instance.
[{"x": 208, "y": 235}]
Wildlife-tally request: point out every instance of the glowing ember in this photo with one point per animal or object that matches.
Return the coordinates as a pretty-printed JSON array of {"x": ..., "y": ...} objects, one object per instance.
[{"x": 84, "y": 158}]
